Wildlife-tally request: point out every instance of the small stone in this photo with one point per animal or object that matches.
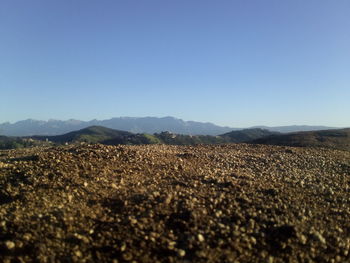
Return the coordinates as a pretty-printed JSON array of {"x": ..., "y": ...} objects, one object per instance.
[
  {"x": 253, "y": 240},
  {"x": 319, "y": 237},
  {"x": 10, "y": 244},
  {"x": 27, "y": 236},
  {"x": 127, "y": 256},
  {"x": 303, "y": 239},
  {"x": 200, "y": 237},
  {"x": 171, "y": 245},
  {"x": 78, "y": 254},
  {"x": 218, "y": 213},
  {"x": 181, "y": 252},
  {"x": 168, "y": 200},
  {"x": 123, "y": 247}
]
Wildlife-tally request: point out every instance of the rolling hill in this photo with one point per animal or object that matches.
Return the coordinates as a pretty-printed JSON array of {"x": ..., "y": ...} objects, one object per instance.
[
  {"x": 93, "y": 134},
  {"x": 18, "y": 142},
  {"x": 246, "y": 135},
  {"x": 334, "y": 139},
  {"x": 295, "y": 128},
  {"x": 99, "y": 134},
  {"x": 147, "y": 125}
]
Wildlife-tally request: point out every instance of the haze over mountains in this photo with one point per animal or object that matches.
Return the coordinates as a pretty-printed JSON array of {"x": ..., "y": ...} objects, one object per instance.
[{"x": 149, "y": 125}]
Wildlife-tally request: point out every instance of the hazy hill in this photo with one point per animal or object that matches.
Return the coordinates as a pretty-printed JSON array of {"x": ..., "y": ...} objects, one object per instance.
[
  {"x": 18, "y": 142},
  {"x": 335, "y": 139},
  {"x": 99, "y": 134},
  {"x": 93, "y": 134},
  {"x": 294, "y": 128},
  {"x": 148, "y": 125},
  {"x": 246, "y": 135}
]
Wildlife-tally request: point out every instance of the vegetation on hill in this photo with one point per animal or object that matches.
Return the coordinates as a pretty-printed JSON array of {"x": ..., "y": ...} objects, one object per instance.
[
  {"x": 99, "y": 134},
  {"x": 93, "y": 134},
  {"x": 334, "y": 139},
  {"x": 17, "y": 142},
  {"x": 247, "y": 135}
]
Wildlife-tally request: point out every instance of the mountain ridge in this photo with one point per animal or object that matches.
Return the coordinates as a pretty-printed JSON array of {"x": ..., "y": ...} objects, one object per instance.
[
  {"x": 149, "y": 125},
  {"x": 104, "y": 135},
  {"x": 32, "y": 127}
]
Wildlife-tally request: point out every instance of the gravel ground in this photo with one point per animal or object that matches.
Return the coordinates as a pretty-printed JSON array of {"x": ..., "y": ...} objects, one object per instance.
[{"x": 157, "y": 203}]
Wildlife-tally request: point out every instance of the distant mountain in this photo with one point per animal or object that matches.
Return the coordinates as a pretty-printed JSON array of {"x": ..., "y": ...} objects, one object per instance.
[
  {"x": 294, "y": 128},
  {"x": 247, "y": 135},
  {"x": 335, "y": 139},
  {"x": 136, "y": 125},
  {"x": 148, "y": 125},
  {"x": 34, "y": 127}
]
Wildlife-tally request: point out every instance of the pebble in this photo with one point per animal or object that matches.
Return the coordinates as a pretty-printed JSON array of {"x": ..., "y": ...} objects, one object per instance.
[
  {"x": 181, "y": 252},
  {"x": 10, "y": 245},
  {"x": 200, "y": 237},
  {"x": 319, "y": 237}
]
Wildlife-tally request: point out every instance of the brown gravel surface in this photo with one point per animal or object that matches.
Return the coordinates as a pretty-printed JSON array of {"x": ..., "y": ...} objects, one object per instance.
[{"x": 157, "y": 203}]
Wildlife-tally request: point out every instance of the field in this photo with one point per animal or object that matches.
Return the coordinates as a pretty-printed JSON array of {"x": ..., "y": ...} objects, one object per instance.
[{"x": 161, "y": 203}]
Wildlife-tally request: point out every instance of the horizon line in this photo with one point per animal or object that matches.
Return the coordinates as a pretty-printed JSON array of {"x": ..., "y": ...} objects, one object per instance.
[{"x": 157, "y": 117}]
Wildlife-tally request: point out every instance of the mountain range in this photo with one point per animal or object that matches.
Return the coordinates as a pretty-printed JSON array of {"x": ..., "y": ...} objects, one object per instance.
[
  {"x": 335, "y": 139},
  {"x": 99, "y": 134},
  {"x": 148, "y": 125}
]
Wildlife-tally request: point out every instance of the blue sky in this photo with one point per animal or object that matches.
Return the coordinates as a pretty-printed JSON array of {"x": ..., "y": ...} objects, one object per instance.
[{"x": 237, "y": 63}]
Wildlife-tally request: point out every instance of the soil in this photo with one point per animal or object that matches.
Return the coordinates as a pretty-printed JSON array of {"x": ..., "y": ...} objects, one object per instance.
[{"x": 160, "y": 203}]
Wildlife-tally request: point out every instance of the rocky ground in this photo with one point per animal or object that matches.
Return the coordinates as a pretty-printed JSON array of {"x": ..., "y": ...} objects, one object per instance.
[{"x": 156, "y": 203}]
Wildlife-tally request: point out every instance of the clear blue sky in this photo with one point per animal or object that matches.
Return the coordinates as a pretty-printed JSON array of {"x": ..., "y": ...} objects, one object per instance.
[{"x": 237, "y": 63}]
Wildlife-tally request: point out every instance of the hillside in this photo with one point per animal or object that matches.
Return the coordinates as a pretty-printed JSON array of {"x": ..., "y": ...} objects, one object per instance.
[
  {"x": 246, "y": 135},
  {"x": 99, "y": 134},
  {"x": 18, "y": 142},
  {"x": 334, "y": 139},
  {"x": 160, "y": 203},
  {"x": 93, "y": 134},
  {"x": 294, "y": 128}
]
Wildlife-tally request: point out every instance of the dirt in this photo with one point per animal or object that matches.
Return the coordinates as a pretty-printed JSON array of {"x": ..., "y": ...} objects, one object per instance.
[{"x": 157, "y": 203}]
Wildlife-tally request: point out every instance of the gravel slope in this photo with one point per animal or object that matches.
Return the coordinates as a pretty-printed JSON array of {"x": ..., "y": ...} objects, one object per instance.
[{"x": 157, "y": 203}]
